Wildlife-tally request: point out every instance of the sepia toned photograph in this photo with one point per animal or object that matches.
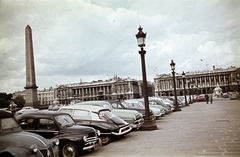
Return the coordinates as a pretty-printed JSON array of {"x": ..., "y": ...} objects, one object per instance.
[{"x": 114, "y": 78}]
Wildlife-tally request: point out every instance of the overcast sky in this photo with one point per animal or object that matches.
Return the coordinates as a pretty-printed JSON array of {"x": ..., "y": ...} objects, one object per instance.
[{"x": 90, "y": 40}]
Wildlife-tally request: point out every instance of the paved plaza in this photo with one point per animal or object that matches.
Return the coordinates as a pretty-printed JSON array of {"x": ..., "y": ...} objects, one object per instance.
[{"x": 199, "y": 130}]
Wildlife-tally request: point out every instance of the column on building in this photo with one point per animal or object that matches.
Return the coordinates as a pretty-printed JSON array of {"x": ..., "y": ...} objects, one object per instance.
[
  {"x": 214, "y": 80},
  {"x": 107, "y": 90},
  {"x": 104, "y": 90}
]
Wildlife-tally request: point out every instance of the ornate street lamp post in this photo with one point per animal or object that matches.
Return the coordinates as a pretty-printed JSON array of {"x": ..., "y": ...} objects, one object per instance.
[
  {"x": 189, "y": 91},
  {"x": 238, "y": 86},
  {"x": 238, "y": 82},
  {"x": 184, "y": 82},
  {"x": 192, "y": 93},
  {"x": 176, "y": 108},
  {"x": 148, "y": 122}
]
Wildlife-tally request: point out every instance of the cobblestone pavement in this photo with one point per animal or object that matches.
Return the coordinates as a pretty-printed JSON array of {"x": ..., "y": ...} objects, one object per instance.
[{"x": 199, "y": 130}]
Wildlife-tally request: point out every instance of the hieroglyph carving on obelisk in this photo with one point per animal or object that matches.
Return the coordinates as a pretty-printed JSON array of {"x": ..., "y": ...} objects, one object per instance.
[{"x": 31, "y": 88}]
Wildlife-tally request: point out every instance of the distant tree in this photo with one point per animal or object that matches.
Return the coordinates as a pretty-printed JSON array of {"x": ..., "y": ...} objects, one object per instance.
[
  {"x": 5, "y": 100},
  {"x": 19, "y": 100},
  {"x": 9, "y": 97},
  {"x": 4, "y": 96},
  {"x": 3, "y": 103}
]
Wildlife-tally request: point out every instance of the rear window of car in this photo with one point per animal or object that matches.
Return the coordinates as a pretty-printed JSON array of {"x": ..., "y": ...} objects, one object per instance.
[
  {"x": 46, "y": 124},
  {"x": 28, "y": 123},
  {"x": 7, "y": 123},
  {"x": 81, "y": 114}
]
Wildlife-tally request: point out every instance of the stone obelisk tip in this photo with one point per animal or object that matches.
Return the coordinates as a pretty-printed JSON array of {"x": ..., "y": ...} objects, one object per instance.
[{"x": 28, "y": 27}]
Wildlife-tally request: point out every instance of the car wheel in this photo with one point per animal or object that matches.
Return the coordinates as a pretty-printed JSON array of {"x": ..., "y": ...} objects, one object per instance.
[
  {"x": 106, "y": 140},
  {"x": 69, "y": 149}
]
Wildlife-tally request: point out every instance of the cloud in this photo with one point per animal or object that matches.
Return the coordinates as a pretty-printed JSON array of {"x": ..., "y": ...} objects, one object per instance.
[{"x": 91, "y": 39}]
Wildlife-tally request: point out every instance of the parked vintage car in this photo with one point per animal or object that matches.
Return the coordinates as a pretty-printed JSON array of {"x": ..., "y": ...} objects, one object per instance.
[
  {"x": 200, "y": 98},
  {"x": 156, "y": 102},
  {"x": 225, "y": 95},
  {"x": 133, "y": 117},
  {"x": 17, "y": 143},
  {"x": 99, "y": 118},
  {"x": 26, "y": 109},
  {"x": 74, "y": 139},
  {"x": 55, "y": 107},
  {"x": 233, "y": 96},
  {"x": 139, "y": 104},
  {"x": 125, "y": 106}
]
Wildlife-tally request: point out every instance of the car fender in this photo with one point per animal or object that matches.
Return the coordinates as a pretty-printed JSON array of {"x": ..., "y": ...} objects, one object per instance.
[
  {"x": 71, "y": 137},
  {"x": 19, "y": 152}
]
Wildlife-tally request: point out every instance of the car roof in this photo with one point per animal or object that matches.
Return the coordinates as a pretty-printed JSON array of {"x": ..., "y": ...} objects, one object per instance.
[
  {"x": 85, "y": 107},
  {"x": 93, "y": 102},
  {"x": 134, "y": 100},
  {"x": 42, "y": 113},
  {"x": 155, "y": 98}
]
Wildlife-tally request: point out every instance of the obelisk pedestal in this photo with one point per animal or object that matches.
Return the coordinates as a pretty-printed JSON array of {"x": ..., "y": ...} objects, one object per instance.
[{"x": 31, "y": 88}]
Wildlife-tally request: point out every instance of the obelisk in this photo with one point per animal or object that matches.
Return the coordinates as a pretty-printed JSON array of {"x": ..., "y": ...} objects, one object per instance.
[{"x": 31, "y": 88}]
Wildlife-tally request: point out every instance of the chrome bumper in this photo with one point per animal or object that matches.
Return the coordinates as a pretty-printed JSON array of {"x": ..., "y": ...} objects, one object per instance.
[
  {"x": 122, "y": 131},
  {"x": 93, "y": 146}
]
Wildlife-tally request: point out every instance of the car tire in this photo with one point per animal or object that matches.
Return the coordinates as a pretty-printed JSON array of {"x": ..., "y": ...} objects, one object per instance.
[
  {"x": 106, "y": 139},
  {"x": 69, "y": 146}
]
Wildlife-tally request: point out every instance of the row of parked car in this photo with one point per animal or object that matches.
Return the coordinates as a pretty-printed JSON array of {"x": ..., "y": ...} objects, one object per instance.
[{"x": 83, "y": 126}]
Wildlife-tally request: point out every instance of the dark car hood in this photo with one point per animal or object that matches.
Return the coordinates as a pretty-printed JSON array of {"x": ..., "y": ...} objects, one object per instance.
[
  {"x": 79, "y": 128},
  {"x": 118, "y": 121},
  {"x": 25, "y": 139}
]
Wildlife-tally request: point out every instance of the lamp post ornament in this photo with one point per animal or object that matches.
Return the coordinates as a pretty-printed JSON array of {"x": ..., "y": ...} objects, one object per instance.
[
  {"x": 184, "y": 82},
  {"x": 148, "y": 122},
  {"x": 176, "y": 108}
]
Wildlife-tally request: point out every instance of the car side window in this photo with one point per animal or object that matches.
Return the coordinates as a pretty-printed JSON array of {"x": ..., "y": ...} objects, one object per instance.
[
  {"x": 115, "y": 105},
  {"x": 46, "y": 124},
  {"x": 69, "y": 111},
  {"x": 80, "y": 114},
  {"x": 152, "y": 103},
  {"x": 28, "y": 123}
]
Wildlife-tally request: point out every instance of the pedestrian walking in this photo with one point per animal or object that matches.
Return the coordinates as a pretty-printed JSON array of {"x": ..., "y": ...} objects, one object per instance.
[
  {"x": 210, "y": 97},
  {"x": 206, "y": 97}
]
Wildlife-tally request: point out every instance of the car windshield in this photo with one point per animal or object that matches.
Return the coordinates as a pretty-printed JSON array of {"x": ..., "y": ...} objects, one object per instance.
[
  {"x": 137, "y": 104},
  {"x": 108, "y": 106},
  {"x": 125, "y": 104},
  {"x": 106, "y": 115},
  {"x": 65, "y": 120},
  {"x": 7, "y": 123}
]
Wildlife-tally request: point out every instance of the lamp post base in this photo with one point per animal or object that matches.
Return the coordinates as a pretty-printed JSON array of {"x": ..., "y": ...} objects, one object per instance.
[
  {"x": 148, "y": 125},
  {"x": 176, "y": 109}
]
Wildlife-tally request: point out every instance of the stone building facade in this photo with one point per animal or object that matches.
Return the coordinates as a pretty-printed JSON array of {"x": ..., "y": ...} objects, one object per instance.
[
  {"x": 111, "y": 89},
  {"x": 199, "y": 82},
  {"x": 46, "y": 96}
]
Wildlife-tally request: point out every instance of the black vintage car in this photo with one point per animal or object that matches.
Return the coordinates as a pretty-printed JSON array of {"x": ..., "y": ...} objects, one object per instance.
[
  {"x": 74, "y": 139},
  {"x": 17, "y": 143},
  {"x": 101, "y": 119}
]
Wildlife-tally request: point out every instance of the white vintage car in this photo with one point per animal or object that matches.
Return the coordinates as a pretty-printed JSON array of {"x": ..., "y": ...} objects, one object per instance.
[
  {"x": 133, "y": 117},
  {"x": 26, "y": 109},
  {"x": 100, "y": 118},
  {"x": 139, "y": 103}
]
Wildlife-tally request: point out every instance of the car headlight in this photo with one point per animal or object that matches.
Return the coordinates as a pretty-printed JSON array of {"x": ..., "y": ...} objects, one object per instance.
[
  {"x": 34, "y": 148},
  {"x": 98, "y": 132},
  {"x": 55, "y": 141},
  {"x": 134, "y": 118},
  {"x": 85, "y": 138}
]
